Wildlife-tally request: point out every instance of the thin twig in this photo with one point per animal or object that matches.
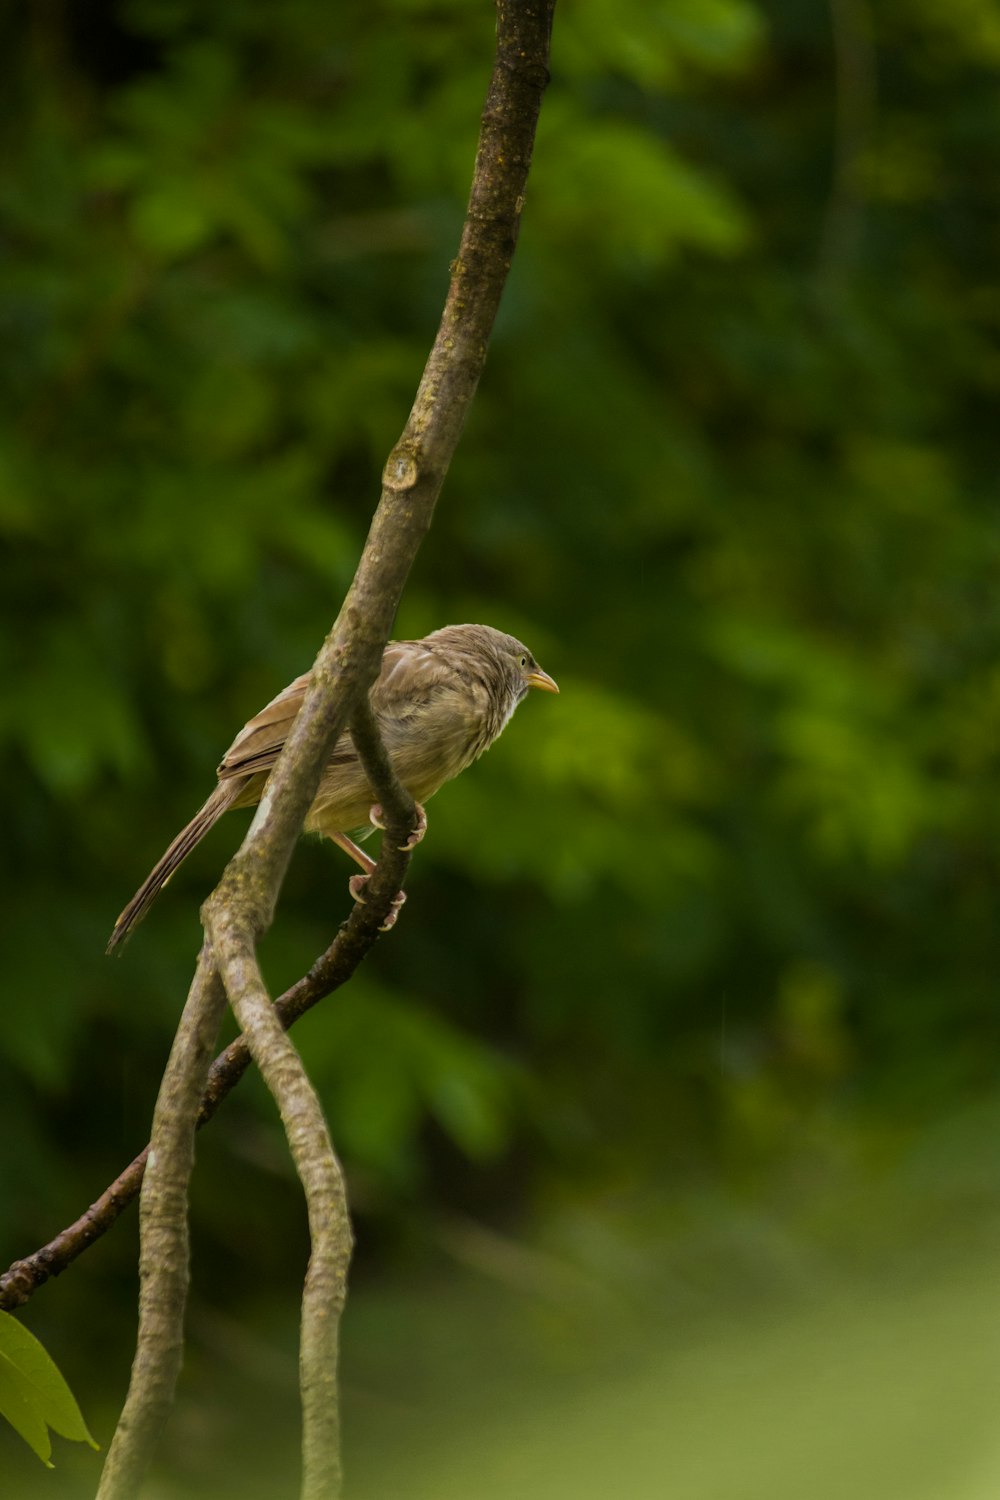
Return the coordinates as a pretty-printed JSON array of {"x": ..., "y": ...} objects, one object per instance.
[{"x": 398, "y": 806}]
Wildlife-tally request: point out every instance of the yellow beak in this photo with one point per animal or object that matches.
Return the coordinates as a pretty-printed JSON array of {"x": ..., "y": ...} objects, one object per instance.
[{"x": 540, "y": 679}]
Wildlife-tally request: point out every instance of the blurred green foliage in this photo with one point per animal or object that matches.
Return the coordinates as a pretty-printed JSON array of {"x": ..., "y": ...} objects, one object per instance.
[{"x": 719, "y": 919}]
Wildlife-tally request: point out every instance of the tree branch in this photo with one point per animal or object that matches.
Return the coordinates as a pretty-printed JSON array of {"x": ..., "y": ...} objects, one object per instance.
[
  {"x": 322, "y": 1181},
  {"x": 163, "y": 1264},
  {"x": 242, "y": 905}
]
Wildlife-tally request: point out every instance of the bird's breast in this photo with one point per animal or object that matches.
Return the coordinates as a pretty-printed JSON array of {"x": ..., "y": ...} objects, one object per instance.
[
  {"x": 426, "y": 755},
  {"x": 430, "y": 739}
]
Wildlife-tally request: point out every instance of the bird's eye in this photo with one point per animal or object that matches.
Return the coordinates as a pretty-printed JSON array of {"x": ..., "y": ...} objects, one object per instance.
[{"x": 522, "y": 661}]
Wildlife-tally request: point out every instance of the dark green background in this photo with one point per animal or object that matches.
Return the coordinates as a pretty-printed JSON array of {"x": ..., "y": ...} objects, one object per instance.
[{"x": 686, "y": 1046}]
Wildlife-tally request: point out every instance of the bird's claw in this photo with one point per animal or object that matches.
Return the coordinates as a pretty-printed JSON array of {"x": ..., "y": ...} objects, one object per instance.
[
  {"x": 416, "y": 833},
  {"x": 356, "y": 885}
]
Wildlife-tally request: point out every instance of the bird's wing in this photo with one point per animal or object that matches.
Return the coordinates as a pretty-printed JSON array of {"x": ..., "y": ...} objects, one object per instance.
[
  {"x": 412, "y": 675},
  {"x": 261, "y": 740}
]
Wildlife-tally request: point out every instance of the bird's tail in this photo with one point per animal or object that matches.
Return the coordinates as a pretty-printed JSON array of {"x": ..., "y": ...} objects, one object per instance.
[{"x": 220, "y": 800}]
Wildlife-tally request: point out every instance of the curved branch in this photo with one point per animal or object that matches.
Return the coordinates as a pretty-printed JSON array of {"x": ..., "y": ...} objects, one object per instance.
[
  {"x": 397, "y": 804},
  {"x": 163, "y": 1263},
  {"x": 319, "y": 1171}
]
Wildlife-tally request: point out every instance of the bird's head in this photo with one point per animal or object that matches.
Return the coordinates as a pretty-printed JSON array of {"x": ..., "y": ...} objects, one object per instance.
[{"x": 504, "y": 659}]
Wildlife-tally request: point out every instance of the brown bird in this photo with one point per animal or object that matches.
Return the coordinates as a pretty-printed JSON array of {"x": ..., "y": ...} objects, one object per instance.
[{"x": 439, "y": 703}]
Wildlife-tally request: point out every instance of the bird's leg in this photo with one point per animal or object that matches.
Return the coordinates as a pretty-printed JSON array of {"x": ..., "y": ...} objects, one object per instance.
[
  {"x": 350, "y": 847},
  {"x": 357, "y": 883},
  {"x": 417, "y": 833}
]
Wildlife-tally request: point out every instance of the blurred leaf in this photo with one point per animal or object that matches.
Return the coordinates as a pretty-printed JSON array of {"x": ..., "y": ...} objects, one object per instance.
[
  {"x": 386, "y": 1063},
  {"x": 655, "y": 44},
  {"x": 169, "y": 220},
  {"x": 612, "y": 187},
  {"x": 71, "y": 720}
]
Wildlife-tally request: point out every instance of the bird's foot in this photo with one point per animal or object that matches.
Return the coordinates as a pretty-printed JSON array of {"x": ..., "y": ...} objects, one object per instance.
[
  {"x": 356, "y": 886},
  {"x": 417, "y": 832}
]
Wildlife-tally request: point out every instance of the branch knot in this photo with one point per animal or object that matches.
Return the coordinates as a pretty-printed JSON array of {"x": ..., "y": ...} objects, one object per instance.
[{"x": 401, "y": 471}]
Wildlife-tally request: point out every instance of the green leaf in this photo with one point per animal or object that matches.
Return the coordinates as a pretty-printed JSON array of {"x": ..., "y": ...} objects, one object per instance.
[
  {"x": 21, "y": 1413},
  {"x": 33, "y": 1394}
]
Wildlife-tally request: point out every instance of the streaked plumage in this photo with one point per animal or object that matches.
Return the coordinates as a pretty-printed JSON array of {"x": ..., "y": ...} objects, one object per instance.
[{"x": 439, "y": 703}]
